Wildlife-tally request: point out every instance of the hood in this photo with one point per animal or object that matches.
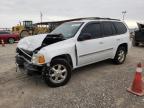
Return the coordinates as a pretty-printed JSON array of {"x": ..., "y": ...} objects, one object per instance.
[
  {"x": 32, "y": 42},
  {"x": 37, "y": 42}
]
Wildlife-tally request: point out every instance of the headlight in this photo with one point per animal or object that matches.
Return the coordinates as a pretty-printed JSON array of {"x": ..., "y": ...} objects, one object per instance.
[{"x": 38, "y": 59}]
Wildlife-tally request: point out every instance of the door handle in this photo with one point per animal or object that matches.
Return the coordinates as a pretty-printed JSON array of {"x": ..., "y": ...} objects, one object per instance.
[
  {"x": 118, "y": 39},
  {"x": 100, "y": 42}
]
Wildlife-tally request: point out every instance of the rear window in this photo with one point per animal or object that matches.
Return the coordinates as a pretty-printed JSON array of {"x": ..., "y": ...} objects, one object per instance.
[{"x": 120, "y": 27}]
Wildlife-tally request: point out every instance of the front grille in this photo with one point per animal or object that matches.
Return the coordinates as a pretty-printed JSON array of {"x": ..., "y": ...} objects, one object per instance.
[{"x": 25, "y": 53}]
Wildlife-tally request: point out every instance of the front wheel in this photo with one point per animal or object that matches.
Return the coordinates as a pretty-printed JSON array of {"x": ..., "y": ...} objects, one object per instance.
[
  {"x": 58, "y": 74},
  {"x": 11, "y": 40},
  {"x": 120, "y": 55}
]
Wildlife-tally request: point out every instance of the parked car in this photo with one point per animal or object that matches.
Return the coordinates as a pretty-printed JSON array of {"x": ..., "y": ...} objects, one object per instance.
[
  {"x": 7, "y": 37},
  {"x": 139, "y": 35},
  {"x": 73, "y": 45}
]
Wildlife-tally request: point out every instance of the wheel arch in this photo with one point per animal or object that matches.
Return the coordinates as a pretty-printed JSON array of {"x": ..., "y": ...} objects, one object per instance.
[
  {"x": 64, "y": 56},
  {"x": 124, "y": 45}
]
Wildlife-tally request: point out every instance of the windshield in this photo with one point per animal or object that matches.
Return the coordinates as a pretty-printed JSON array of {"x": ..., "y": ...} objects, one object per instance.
[{"x": 68, "y": 30}]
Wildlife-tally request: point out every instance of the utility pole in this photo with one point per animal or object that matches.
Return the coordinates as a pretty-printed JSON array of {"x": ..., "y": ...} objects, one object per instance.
[
  {"x": 41, "y": 16},
  {"x": 124, "y": 14}
]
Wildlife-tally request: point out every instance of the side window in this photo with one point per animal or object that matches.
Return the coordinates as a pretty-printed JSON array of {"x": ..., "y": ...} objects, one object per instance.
[
  {"x": 4, "y": 32},
  {"x": 93, "y": 29},
  {"x": 120, "y": 27},
  {"x": 107, "y": 28},
  {"x": 113, "y": 29}
]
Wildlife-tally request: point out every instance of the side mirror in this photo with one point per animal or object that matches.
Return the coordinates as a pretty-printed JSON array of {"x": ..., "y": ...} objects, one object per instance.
[{"x": 84, "y": 36}]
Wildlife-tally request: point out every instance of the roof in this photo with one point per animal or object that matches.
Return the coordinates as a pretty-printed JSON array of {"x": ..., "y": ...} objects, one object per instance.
[{"x": 76, "y": 19}]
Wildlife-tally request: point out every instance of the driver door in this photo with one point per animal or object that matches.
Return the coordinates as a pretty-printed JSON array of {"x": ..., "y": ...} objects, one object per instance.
[{"x": 89, "y": 49}]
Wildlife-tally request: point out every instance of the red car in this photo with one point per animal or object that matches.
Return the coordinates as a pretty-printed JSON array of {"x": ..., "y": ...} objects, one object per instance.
[{"x": 8, "y": 37}]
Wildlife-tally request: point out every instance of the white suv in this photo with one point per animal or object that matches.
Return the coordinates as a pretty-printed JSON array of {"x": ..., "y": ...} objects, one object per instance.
[{"x": 71, "y": 45}]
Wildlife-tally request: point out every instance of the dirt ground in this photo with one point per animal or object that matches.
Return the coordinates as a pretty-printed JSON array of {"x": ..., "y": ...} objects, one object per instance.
[{"x": 100, "y": 85}]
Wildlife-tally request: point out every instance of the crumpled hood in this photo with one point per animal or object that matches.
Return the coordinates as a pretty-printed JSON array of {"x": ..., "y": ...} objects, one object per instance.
[
  {"x": 35, "y": 43},
  {"x": 32, "y": 42}
]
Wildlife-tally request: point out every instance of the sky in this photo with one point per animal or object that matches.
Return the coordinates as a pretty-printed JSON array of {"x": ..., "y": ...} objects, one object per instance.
[{"x": 14, "y": 11}]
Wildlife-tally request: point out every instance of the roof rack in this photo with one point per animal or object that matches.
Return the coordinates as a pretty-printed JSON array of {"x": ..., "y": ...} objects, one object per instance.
[
  {"x": 54, "y": 24},
  {"x": 96, "y": 18},
  {"x": 75, "y": 19}
]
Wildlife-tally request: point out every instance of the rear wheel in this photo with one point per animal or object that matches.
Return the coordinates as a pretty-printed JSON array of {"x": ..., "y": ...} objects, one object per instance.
[
  {"x": 120, "y": 55},
  {"x": 58, "y": 74},
  {"x": 11, "y": 40},
  {"x": 24, "y": 33},
  {"x": 136, "y": 44}
]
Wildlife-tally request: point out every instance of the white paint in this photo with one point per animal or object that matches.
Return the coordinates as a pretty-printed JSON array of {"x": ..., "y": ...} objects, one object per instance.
[{"x": 94, "y": 50}]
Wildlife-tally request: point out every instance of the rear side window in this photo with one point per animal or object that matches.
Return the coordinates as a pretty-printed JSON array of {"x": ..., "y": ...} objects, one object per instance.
[
  {"x": 120, "y": 27},
  {"x": 94, "y": 29},
  {"x": 107, "y": 28}
]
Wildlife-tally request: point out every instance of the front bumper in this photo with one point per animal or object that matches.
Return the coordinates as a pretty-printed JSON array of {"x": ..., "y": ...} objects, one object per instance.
[{"x": 29, "y": 66}]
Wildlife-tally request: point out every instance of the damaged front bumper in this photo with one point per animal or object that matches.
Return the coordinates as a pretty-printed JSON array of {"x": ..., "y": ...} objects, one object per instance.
[{"x": 29, "y": 66}]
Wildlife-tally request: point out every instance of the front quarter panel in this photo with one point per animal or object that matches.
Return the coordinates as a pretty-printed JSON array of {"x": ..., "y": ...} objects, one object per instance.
[{"x": 59, "y": 49}]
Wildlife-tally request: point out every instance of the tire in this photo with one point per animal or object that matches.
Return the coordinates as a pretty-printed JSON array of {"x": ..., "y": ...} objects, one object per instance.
[
  {"x": 20, "y": 65},
  {"x": 120, "y": 55},
  {"x": 133, "y": 42},
  {"x": 136, "y": 44},
  {"x": 55, "y": 79},
  {"x": 24, "y": 33},
  {"x": 11, "y": 40}
]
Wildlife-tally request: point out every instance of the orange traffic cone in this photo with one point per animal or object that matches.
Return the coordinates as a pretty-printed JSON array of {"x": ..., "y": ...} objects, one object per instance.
[
  {"x": 137, "y": 87},
  {"x": 2, "y": 42}
]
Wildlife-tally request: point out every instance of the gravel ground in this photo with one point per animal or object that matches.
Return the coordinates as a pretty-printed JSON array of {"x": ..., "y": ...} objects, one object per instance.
[{"x": 100, "y": 85}]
